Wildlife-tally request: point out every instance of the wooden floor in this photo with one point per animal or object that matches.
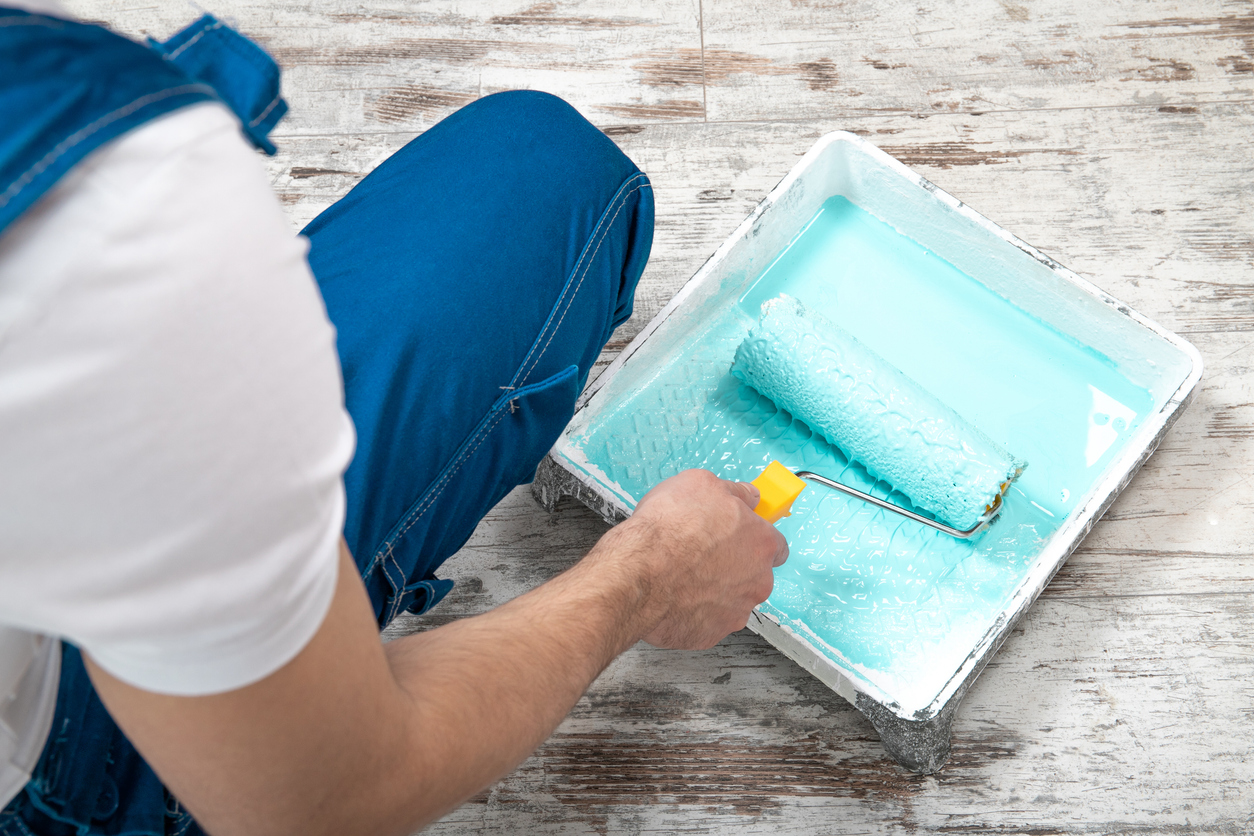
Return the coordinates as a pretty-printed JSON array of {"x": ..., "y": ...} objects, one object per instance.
[{"x": 1115, "y": 135}]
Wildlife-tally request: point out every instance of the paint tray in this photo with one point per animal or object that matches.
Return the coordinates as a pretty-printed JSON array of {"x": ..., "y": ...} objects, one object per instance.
[{"x": 894, "y": 617}]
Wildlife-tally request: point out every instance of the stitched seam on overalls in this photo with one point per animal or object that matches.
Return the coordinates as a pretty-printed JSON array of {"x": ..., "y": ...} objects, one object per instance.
[
  {"x": 262, "y": 65},
  {"x": 14, "y": 827},
  {"x": 185, "y": 826},
  {"x": 277, "y": 98},
  {"x": 240, "y": 45},
  {"x": 397, "y": 582},
  {"x": 204, "y": 30},
  {"x": 519, "y": 375},
  {"x": 587, "y": 268},
  {"x": 436, "y": 492},
  {"x": 388, "y": 552},
  {"x": 83, "y": 133},
  {"x": 33, "y": 20},
  {"x": 438, "y": 488}
]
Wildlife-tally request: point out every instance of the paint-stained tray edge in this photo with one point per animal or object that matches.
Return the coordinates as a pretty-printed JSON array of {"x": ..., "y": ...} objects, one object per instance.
[{"x": 1062, "y": 543}]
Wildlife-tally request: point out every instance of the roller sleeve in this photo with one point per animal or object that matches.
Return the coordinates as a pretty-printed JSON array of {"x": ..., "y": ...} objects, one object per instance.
[{"x": 874, "y": 413}]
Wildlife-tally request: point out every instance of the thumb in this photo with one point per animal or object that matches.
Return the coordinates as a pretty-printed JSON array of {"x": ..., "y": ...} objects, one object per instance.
[{"x": 746, "y": 492}]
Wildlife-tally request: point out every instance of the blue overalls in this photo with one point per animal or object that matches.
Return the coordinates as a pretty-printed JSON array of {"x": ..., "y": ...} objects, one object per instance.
[{"x": 472, "y": 278}]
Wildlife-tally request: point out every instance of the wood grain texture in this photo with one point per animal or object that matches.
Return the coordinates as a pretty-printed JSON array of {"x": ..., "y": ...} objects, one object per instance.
[
  {"x": 1114, "y": 136},
  {"x": 977, "y": 56}
]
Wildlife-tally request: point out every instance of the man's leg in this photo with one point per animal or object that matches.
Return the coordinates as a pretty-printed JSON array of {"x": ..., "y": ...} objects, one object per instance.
[{"x": 473, "y": 278}]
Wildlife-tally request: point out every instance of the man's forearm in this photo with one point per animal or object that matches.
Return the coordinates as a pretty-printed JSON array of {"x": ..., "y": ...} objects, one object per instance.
[
  {"x": 352, "y": 737},
  {"x": 487, "y": 690}
]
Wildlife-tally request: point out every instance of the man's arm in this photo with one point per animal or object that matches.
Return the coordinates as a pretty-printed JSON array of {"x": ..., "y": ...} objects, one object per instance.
[{"x": 353, "y": 736}]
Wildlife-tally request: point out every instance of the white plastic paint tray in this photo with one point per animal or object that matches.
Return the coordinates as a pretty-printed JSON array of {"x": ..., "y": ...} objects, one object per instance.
[{"x": 958, "y": 623}]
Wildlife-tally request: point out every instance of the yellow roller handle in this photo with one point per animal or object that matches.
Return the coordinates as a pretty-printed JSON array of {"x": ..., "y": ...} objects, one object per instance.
[{"x": 778, "y": 488}]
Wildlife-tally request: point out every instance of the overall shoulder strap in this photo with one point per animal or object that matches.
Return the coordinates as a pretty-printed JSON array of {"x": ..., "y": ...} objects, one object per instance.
[{"x": 66, "y": 88}]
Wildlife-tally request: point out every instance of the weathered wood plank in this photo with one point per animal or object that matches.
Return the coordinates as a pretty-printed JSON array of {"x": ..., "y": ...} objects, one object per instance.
[
  {"x": 1116, "y": 138},
  {"x": 1049, "y": 738},
  {"x": 1060, "y": 735},
  {"x": 1154, "y": 207},
  {"x": 402, "y": 67},
  {"x": 1101, "y": 714},
  {"x": 853, "y": 58}
]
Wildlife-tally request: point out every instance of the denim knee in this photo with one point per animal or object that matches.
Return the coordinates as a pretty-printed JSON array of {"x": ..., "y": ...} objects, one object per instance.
[
  {"x": 473, "y": 279},
  {"x": 568, "y": 140},
  {"x": 562, "y": 121}
]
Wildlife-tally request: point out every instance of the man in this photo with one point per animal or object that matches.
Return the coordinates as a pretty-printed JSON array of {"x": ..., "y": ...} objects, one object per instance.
[{"x": 178, "y": 461}]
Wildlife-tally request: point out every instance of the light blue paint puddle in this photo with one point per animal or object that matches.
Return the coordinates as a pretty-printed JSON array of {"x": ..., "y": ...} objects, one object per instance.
[{"x": 899, "y": 602}]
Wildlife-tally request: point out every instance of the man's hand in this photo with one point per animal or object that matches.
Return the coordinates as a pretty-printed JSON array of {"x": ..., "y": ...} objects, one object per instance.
[
  {"x": 352, "y": 737},
  {"x": 708, "y": 556}
]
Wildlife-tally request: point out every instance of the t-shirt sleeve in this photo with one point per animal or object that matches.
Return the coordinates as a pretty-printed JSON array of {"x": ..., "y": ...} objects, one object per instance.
[{"x": 172, "y": 427}]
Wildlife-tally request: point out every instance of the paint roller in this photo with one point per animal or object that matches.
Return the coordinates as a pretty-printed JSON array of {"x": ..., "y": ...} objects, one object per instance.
[{"x": 877, "y": 416}]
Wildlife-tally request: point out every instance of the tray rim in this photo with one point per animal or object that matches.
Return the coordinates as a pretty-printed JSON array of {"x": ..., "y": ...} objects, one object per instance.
[{"x": 1061, "y": 544}]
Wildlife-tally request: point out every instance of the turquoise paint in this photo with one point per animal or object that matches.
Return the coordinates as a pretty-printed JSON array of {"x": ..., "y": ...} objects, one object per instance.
[{"x": 899, "y": 602}]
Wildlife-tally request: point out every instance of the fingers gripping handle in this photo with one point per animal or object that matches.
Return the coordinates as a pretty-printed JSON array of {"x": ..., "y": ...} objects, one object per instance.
[{"x": 777, "y": 488}]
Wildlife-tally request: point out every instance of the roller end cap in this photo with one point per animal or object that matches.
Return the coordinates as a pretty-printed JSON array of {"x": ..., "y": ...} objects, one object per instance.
[{"x": 777, "y": 487}]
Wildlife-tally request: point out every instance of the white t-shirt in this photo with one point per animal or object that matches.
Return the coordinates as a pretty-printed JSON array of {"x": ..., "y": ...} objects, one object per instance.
[{"x": 172, "y": 428}]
